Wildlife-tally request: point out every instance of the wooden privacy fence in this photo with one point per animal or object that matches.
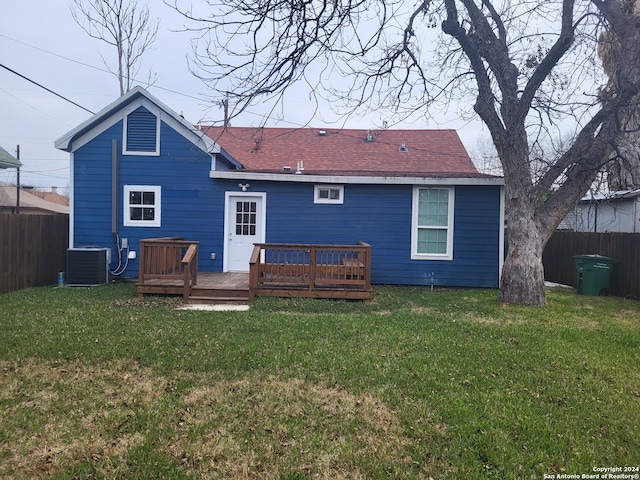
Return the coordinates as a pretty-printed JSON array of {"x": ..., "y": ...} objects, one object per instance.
[
  {"x": 319, "y": 271},
  {"x": 33, "y": 249},
  {"x": 624, "y": 248}
]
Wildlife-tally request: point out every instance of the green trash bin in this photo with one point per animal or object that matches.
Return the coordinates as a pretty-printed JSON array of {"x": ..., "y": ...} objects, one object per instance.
[{"x": 594, "y": 274}]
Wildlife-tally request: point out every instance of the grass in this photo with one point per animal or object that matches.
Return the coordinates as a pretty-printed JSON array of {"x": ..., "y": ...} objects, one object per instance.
[{"x": 95, "y": 383}]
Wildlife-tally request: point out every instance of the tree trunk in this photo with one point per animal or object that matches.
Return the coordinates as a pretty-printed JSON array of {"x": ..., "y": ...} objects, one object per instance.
[{"x": 522, "y": 279}]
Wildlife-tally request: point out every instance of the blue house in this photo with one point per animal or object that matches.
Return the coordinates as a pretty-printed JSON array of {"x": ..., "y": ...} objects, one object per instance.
[{"x": 139, "y": 170}]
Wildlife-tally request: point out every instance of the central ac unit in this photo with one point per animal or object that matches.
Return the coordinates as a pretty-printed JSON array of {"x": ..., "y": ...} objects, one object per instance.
[{"x": 87, "y": 266}]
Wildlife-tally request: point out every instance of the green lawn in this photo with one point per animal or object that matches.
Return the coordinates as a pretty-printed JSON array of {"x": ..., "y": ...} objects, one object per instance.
[{"x": 96, "y": 383}]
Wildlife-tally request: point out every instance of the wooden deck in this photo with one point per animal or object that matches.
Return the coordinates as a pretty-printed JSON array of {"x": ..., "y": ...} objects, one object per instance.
[
  {"x": 315, "y": 271},
  {"x": 168, "y": 266},
  {"x": 211, "y": 287}
]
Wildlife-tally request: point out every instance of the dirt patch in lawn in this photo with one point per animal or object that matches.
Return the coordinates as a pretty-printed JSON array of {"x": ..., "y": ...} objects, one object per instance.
[
  {"x": 58, "y": 415},
  {"x": 272, "y": 428},
  {"x": 77, "y": 420}
]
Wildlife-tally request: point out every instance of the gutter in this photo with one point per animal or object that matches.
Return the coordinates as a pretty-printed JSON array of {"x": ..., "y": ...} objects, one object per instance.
[{"x": 352, "y": 179}]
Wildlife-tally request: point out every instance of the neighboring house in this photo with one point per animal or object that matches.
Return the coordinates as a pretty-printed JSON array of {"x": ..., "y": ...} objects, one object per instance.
[
  {"x": 53, "y": 196},
  {"x": 611, "y": 212},
  {"x": 7, "y": 160},
  {"x": 29, "y": 204},
  {"x": 139, "y": 170}
]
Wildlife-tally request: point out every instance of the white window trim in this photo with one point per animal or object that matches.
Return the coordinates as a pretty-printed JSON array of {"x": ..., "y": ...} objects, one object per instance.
[
  {"x": 335, "y": 201},
  {"x": 155, "y": 153},
  {"x": 414, "y": 226},
  {"x": 126, "y": 218}
]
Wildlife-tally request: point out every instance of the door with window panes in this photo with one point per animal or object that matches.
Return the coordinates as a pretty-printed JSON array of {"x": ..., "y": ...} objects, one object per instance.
[{"x": 245, "y": 226}]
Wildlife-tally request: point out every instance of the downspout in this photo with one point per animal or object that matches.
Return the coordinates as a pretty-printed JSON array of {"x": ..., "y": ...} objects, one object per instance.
[
  {"x": 115, "y": 209},
  {"x": 72, "y": 196},
  {"x": 114, "y": 188}
]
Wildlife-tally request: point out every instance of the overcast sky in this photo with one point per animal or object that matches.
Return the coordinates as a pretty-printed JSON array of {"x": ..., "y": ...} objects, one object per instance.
[{"x": 40, "y": 40}]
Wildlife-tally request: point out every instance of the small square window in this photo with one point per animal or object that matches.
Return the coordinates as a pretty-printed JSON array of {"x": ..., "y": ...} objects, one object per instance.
[
  {"x": 141, "y": 206},
  {"x": 329, "y": 194}
]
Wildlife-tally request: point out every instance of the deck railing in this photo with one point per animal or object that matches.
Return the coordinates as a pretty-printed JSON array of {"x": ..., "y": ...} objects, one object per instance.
[
  {"x": 301, "y": 270},
  {"x": 169, "y": 259}
]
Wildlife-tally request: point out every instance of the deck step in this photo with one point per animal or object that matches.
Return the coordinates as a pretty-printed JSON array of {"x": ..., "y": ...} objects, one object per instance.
[
  {"x": 217, "y": 292},
  {"x": 209, "y": 300}
]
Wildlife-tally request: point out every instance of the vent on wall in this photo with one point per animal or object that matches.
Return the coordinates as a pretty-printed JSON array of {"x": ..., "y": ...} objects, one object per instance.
[
  {"x": 141, "y": 131},
  {"x": 87, "y": 266}
]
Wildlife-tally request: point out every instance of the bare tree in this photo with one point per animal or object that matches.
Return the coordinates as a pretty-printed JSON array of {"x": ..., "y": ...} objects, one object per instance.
[
  {"x": 529, "y": 66},
  {"x": 485, "y": 158},
  {"x": 624, "y": 171},
  {"x": 122, "y": 24}
]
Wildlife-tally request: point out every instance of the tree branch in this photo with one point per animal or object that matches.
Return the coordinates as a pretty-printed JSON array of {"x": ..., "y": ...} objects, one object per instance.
[{"x": 549, "y": 62}]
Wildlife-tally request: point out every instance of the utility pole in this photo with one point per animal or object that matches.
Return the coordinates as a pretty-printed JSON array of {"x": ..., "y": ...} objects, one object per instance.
[
  {"x": 18, "y": 181},
  {"x": 225, "y": 104}
]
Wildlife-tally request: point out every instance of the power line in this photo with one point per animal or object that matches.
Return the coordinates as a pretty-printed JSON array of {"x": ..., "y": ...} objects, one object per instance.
[
  {"x": 202, "y": 98},
  {"x": 295, "y": 125},
  {"x": 97, "y": 68},
  {"x": 45, "y": 88},
  {"x": 186, "y": 95},
  {"x": 33, "y": 107}
]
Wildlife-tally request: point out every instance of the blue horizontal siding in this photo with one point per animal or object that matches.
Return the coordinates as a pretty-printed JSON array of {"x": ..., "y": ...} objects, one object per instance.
[
  {"x": 193, "y": 208},
  {"x": 381, "y": 216},
  {"x": 92, "y": 190}
]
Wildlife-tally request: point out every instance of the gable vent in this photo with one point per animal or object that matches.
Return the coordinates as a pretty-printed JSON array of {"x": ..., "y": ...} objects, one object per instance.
[{"x": 142, "y": 131}]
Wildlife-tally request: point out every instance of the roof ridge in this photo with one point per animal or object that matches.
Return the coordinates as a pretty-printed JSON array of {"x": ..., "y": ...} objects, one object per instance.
[{"x": 320, "y": 128}]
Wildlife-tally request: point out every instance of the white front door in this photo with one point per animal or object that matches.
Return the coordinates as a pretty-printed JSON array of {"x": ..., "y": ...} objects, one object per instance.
[{"x": 244, "y": 225}]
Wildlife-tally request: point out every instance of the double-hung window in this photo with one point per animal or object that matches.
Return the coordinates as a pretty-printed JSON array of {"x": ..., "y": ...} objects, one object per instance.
[
  {"x": 432, "y": 223},
  {"x": 141, "y": 206}
]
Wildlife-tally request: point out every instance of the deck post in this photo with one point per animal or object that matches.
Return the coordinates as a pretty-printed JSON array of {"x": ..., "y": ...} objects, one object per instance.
[
  {"x": 366, "y": 261},
  {"x": 141, "y": 260},
  {"x": 254, "y": 270},
  {"x": 190, "y": 270},
  {"x": 312, "y": 268}
]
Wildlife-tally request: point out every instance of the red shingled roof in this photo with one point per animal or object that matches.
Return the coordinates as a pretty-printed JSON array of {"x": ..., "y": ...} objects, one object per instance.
[{"x": 437, "y": 153}]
